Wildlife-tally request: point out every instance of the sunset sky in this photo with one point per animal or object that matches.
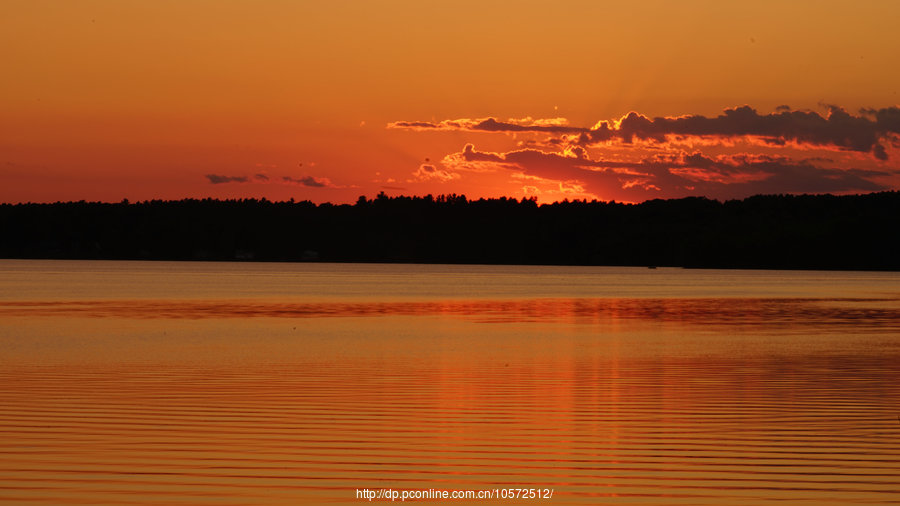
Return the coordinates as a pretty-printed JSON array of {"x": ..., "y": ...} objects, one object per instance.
[{"x": 326, "y": 101}]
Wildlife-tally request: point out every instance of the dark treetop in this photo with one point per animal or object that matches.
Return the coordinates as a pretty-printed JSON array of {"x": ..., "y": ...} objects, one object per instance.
[{"x": 783, "y": 232}]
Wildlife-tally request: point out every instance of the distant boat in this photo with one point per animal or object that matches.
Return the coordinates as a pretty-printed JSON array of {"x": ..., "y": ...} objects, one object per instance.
[{"x": 651, "y": 267}]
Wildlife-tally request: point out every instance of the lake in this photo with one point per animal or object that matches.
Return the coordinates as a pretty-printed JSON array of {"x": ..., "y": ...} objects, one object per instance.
[{"x": 252, "y": 383}]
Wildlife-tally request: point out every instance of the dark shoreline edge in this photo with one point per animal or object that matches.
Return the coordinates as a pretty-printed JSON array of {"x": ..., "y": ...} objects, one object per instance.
[{"x": 799, "y": 232}]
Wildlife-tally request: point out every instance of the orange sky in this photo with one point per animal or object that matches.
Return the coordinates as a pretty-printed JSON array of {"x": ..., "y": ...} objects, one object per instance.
[{"x": 104, "y": 100}]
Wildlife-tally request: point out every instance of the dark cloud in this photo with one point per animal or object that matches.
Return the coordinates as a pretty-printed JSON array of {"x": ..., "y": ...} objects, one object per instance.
[
  {"x": 307, "y": 181},
  {"x": 261, "y": 177},
  {"x": 837, "y": 129},
  {"x": 218, "y": 179}
]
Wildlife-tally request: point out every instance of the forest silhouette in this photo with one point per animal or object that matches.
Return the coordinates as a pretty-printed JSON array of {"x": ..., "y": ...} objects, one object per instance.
[{"x": 853, "y": 232}]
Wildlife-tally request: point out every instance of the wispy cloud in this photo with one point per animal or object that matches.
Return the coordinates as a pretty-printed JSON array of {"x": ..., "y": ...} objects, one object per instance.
[
  {"x": 552, "y": 125},
  {"x": 261, "y": 178}
]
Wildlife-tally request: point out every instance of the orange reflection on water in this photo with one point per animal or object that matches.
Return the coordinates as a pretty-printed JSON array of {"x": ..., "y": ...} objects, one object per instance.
[
  {"x": 723, "y": 311},
  {"x": 655, "y": 401},
  {"x": 697, "y": 430}
]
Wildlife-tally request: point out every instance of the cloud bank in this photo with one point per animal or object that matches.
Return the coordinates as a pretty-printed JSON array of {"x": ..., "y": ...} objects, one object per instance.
[
  {"x": 671, "y": 176},
  {"x": 867, "y": 131},
  {"x": 649, "y": 160}
]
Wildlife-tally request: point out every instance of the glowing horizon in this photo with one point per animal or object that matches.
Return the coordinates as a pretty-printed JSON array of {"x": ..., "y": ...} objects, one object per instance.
[{"x": 279, "y": 100}]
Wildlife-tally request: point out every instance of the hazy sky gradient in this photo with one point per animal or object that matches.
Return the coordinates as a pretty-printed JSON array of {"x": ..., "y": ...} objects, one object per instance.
[{"x": 104, "y": 100}]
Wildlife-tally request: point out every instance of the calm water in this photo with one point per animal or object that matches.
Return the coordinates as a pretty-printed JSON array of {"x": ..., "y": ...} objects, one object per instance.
[{"x": 192, "y": 383}]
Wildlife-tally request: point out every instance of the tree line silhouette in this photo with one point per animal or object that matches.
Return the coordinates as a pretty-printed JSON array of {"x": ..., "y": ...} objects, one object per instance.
[{"x": 854, "y": 232}]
